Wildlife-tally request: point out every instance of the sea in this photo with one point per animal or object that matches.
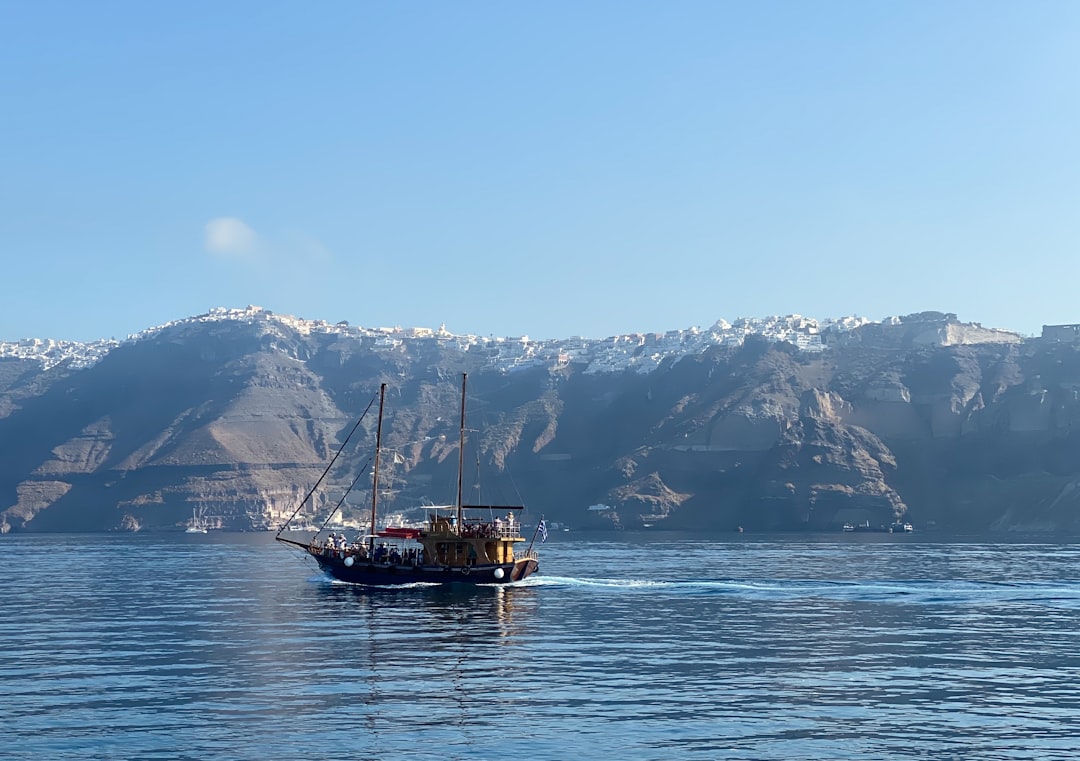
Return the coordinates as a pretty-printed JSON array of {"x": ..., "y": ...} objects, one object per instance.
[{"x": 625, "y": 646}]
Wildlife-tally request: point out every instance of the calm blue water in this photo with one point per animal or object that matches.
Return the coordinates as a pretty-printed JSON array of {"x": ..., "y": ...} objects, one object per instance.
[{"x": 228, "y": 646}]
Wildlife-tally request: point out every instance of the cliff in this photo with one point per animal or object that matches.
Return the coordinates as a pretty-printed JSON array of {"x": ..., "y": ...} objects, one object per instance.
[{"x": 940, "y": 423}]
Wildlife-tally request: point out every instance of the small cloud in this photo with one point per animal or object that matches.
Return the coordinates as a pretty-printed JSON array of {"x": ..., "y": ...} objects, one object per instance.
[{"x": 229, "y": 236}]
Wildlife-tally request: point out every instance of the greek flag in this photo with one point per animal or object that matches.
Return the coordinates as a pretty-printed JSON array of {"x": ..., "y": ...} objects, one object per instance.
[{"x": 541, "y": 529}]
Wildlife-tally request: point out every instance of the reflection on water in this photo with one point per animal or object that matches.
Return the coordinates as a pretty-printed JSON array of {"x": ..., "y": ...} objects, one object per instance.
[
  {"x": 225, "y": 646},
  {"x": 447, "y": 616}
]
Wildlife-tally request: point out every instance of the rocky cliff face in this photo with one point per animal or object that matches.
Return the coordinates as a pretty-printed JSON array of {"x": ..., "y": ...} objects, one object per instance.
[{"x": 236, "y": 421}]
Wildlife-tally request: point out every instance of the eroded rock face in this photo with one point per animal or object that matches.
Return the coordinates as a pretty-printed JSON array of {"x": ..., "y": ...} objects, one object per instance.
[{"x": 236, "y": 422}]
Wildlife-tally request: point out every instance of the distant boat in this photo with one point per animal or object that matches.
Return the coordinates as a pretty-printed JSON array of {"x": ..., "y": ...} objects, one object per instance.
[
  {"x": 196, "y": 526},
  {"x": 897, "y": 527},
  {"x": 457, "y": 544}
]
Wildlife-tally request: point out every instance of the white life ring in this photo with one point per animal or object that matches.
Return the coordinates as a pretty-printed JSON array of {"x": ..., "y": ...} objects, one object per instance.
[{"x": 465, "y": 571}]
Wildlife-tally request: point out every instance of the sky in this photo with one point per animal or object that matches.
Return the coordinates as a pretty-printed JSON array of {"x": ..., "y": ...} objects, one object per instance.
[{"x": 548, "y": 169}]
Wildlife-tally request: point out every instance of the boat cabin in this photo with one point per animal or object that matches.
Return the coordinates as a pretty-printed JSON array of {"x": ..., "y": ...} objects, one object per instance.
[{"x": 476, "y": 541}]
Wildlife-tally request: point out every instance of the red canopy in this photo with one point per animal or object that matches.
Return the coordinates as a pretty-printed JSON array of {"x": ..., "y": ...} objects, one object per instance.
[{"x": 400, "y": 532}]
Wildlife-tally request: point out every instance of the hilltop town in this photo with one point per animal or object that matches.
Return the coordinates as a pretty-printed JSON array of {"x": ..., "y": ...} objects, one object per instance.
[{"x": 640, "y": 352}]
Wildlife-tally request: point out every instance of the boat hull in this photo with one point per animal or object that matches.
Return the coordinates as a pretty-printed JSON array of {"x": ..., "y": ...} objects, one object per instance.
[
  {"x": 387, "y": 574},
  {"x": 347, "y": 567}
]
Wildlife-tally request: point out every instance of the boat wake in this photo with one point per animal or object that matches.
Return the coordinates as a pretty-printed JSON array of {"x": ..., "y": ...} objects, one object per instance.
[
  {"x": 569, "y": 581},
  {"x": 900, "y": 591}
]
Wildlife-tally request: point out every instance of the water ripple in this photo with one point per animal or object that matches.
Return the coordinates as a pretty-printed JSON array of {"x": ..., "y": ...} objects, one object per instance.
[{"x": 226, "y": 646}]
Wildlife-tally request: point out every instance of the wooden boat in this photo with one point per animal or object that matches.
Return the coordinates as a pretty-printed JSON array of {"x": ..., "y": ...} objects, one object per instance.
[{"x": 458, "y": 544}]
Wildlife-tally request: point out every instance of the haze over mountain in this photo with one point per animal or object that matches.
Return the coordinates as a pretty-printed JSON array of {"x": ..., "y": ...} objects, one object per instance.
[{"x": 782, "y": 423}]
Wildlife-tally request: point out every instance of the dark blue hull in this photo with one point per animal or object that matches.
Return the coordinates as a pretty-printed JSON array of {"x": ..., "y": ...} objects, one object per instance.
[{"x": 386, "y": 574}]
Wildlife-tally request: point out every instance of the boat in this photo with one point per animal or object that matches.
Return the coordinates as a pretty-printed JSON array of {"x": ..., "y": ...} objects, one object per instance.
[
  {"x": 196, "y": 526},
  {"x": 455, "y": 544},
  {"x": 897, "y": 527}
]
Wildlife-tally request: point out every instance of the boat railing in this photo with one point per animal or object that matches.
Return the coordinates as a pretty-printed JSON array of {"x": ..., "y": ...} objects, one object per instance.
[
  {"x": 507, "y": 531},
  {"x": 487, "y": 530}
]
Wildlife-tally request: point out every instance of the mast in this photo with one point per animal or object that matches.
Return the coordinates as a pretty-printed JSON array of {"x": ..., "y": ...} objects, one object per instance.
[
  {"x": 461, "y": 454},
  {"x": 375, "y": 475}
]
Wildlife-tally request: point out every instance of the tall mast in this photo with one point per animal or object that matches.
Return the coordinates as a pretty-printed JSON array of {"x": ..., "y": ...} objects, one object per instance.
[
  {"x": 461, "y": 453},
  {"x": 375, "y": 476}
]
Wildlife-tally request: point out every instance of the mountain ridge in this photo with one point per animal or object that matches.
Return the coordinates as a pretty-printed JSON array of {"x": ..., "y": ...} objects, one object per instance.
[{"x": 233, "y": 414}]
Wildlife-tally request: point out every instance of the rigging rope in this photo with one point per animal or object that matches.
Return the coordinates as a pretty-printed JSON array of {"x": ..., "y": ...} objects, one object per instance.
[
  {"x": 343, "y": 496},
  {"x": 332, "y": 461},
  {"x": 509, "y": 474}
]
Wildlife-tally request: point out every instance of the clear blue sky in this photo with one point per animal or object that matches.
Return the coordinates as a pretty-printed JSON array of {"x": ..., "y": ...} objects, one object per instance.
[{"x": 548, "y": 169}]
